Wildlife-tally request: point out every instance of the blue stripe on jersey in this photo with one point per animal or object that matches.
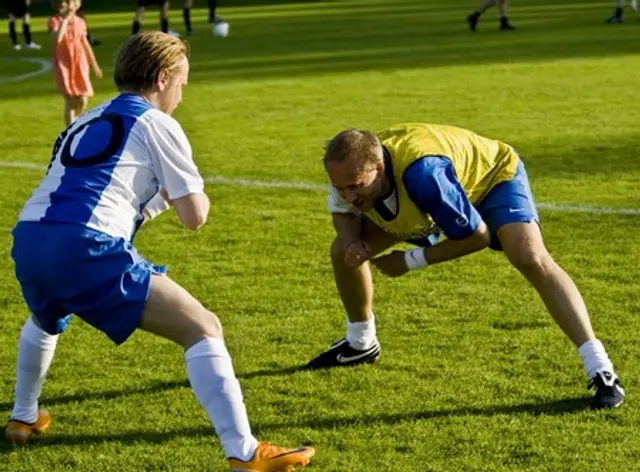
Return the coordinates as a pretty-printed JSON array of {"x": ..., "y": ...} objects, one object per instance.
[{"x": 88, "y": 169}]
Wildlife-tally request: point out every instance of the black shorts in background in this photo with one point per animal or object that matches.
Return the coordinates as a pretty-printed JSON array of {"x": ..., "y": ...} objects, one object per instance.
[{"x": 17, "y": 8}]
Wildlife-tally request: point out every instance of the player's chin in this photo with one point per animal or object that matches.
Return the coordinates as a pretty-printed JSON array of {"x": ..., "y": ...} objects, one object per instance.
[{"x": 363, "y": 206}]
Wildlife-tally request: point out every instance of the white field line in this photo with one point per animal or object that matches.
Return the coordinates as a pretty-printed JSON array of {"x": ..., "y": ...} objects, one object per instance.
[
  {"x": 45, "y": 66},
  {"x": 217, "y": 179}
]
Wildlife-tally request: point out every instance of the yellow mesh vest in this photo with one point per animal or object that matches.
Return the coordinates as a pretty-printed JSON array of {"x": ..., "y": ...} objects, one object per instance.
[{"x": 480, "y": 164}]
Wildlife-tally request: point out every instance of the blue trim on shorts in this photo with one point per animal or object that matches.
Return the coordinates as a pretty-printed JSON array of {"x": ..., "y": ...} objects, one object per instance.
[
  {"x": 66, "y": 269},
  {"x": 508, "y": 202}
]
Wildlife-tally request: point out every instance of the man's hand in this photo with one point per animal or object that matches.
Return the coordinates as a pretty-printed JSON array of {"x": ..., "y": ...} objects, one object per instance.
[
  {"x": 392, "y": 264},
  {"x": 356, "y": 253}
]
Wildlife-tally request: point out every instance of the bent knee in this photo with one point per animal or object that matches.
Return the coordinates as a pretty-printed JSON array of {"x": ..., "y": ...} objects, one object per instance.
[
  {"x": 337, "y": 250},
  {"x": 206, "y": 325},
  {"x": 530, "y": 262}
]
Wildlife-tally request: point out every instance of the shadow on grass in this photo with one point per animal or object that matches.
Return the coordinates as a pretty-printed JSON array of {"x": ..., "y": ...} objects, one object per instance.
[
  {"x": 43, "y": 7},
  {"x": 147, "y": 389},
  {"x": 557, "y": 407}
]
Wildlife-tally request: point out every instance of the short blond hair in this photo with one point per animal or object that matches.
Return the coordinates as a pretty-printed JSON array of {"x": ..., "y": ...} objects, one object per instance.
[
  {"x": 360, "y": 146},
  {"x": 143, "y": 56}
]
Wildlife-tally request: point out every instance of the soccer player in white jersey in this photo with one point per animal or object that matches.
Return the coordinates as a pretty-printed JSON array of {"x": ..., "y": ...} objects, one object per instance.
[{"x": 115, "y": 167}]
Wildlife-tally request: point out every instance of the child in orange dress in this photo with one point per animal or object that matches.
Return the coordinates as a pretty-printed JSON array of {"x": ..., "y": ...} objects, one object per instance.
[{"x": 72, "y": 56}]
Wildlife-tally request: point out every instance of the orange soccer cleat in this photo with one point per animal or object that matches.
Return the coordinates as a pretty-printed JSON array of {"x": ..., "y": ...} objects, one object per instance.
[
  {"x": 18, "y": 432},
  {"x": 269, "y": 458}
]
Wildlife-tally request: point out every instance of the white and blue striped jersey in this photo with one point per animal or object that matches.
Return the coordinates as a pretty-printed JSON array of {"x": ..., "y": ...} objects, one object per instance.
[{"x": 109, "y": 163}]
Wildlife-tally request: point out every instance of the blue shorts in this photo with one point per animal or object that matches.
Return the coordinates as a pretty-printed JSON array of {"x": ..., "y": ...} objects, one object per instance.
[
  {"x": 66, "y": 269},
  {"x": 508, "y": 202}
]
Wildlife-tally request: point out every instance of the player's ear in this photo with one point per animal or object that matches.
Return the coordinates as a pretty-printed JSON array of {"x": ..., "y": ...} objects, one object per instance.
[{"x": 163, "y": 79}]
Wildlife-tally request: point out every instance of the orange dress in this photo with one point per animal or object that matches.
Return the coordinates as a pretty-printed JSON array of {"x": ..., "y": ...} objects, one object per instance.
[{"x": 70, "y": 61}]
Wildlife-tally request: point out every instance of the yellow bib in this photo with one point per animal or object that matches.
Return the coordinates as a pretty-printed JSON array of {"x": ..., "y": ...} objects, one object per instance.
[{"x": 480, "y": 164}]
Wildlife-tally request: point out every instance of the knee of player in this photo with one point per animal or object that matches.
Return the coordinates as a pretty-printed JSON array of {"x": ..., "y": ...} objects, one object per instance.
[
  {"x": 337, "y": 250},
  {"x": 537, "y": 262},
  {"x": 209, "y": 324},
  {"x": 197, "y": 326}
]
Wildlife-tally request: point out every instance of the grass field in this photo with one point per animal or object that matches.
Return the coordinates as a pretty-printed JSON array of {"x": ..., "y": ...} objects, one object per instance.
[{"x": 474, "y": 375}]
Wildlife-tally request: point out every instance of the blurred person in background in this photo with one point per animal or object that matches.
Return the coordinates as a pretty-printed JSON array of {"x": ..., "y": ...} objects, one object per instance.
[
  {"x": 72, "y": 58},
  {"x": 618, "y": 14},
  {"x": 213, "y": 16},
  {"x": 187, "y": 5},
  {"x": 474, "y": 17},
  {"x": 20, "y": 9},
  {"x": 141, "y": 5}
]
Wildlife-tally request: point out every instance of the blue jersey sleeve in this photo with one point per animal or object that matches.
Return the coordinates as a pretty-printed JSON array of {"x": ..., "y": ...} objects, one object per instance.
[{"x": 432, "y": 184}]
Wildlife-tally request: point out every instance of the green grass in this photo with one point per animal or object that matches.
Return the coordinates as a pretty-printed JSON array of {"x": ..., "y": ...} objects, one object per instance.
[{"x": 474, "y": 374}]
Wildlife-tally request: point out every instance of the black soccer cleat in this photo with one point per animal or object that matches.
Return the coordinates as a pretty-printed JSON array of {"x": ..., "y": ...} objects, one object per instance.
[
  {"x": 215, "y": 18},
  {"x": 473, "y": 21},
  {"x": 341, "y": 354},
  {"x": 609, "y": 391},
  {"x": 615, "y": 20},
  {"x": 505, "y": 25}
]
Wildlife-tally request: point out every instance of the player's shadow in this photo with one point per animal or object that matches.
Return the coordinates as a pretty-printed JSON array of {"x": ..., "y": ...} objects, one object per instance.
[
  {"x": 557, "y": 407},
  {"x": 153, "y": 387}
]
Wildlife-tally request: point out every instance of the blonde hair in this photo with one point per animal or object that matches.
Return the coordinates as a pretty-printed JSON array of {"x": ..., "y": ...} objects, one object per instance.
[
  {"x": 359, "y": 146},
  {"x": 143, "y": 56},
  {"x": 57, "y": 4}
]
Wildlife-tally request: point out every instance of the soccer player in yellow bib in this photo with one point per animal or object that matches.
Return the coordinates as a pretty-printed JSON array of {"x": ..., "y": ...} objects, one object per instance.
[{"x": 411, "y": 182}]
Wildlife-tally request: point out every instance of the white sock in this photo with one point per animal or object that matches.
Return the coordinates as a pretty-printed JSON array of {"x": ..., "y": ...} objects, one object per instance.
[
  {"x": 35, "y": 353},
  {"x": 215, "y": 384},
  {"x": 595, "y": 358},
  {"x": 362, "y": 334}
]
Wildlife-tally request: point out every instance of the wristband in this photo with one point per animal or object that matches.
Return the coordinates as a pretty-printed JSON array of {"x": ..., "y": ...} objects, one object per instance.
[
  {"x": 415, "y": 259},
  {"x": 156, "y": 205}
]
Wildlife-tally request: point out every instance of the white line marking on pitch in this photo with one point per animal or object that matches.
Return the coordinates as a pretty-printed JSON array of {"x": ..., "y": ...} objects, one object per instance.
[
  {"x": 214, "y": 179},
  {"x": 45, "y": 66}
]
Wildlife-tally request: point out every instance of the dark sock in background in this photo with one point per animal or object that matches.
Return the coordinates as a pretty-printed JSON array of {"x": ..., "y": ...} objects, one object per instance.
[
  {"x": 12, "y": 32},
  {"x": 26, "y": 30},
  {"x": 186, "y": 14}
]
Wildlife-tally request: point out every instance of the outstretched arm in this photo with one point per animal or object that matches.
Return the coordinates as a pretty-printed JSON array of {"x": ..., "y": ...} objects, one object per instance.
[{"x": 433, "y": 186}]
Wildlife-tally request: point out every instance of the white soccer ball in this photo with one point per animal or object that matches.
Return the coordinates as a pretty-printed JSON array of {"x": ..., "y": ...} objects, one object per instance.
[{"x": 220, "y": 29}]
